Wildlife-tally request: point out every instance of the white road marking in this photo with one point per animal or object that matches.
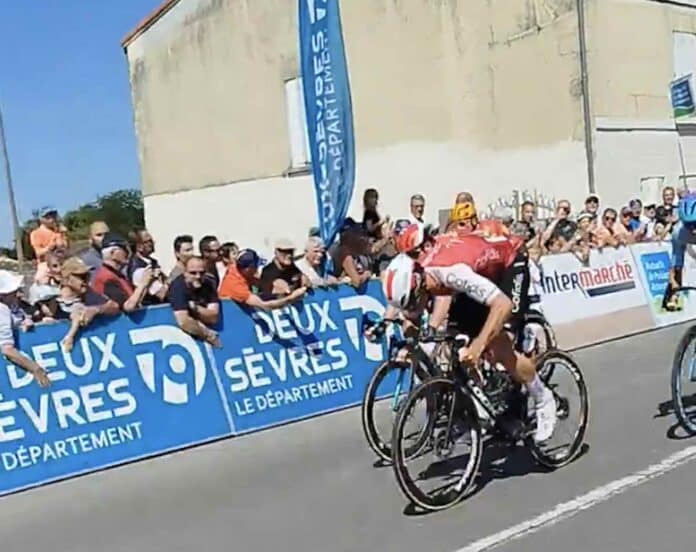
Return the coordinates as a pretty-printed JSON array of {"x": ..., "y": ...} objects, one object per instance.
[{"x": 568, "y": 509}]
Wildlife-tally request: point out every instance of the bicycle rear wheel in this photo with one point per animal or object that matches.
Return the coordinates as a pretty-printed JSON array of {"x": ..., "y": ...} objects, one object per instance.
[
  {"x": 384, "y": 395},
  {"x": 452, "y": 421},
  {"x": 683, "y": 373},
  {"x": 563, "y": 377}
]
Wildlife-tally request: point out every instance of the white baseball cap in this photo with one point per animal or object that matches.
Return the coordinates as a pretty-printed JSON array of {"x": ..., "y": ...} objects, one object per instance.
[{"x": 10, "y": 282}]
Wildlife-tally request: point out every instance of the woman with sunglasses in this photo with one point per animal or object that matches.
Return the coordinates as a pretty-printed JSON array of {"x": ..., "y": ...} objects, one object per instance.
[{"x": 683, "y": 234}]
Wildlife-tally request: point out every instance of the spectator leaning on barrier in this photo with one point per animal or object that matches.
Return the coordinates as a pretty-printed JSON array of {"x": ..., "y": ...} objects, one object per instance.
[
  {"x": 281, "y": 276},
  {"x": 625, "y": 225},
  {"x": 143, "y": 247},
  {"x": 243, "y": 276},
  {"x": 351, "y": 262},
  {"x": 195, "y": 301},
  {"x": 312, "y": 263},
  {"x": 50, "y": 235},
  {"x": 110, "y": 280},
  {"x": 92, "y": 256},
  {"x": 77, "y": 301},
  {"x": 604, "y": 234},
  {"x": 11, "y": 318},
  {"x": 183, "y": 251},
  {"x": 209, "y": 247}
]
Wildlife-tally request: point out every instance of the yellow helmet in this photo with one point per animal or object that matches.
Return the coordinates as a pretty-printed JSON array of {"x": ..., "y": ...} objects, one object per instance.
[{"x": 462, "y": 212}]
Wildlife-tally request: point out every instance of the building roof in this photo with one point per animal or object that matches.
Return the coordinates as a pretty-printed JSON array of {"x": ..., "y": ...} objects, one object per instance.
[{"x": 148, "y": 21}]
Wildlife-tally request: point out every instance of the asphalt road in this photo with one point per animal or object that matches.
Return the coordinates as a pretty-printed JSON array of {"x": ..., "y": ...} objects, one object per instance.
[{"x": 312, "y": 486}]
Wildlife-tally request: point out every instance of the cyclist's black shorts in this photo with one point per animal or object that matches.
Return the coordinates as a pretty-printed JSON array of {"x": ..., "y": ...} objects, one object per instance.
[{"x": 468, "y": 316}]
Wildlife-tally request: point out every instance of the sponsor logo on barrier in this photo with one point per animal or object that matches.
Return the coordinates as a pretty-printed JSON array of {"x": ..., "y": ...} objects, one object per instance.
[
  {"x": 277, "y": 358},
  {"x": 171, "y": 392},
  {"x": 593, "y": 282},
  {"x": 299, "y": 360},
  {"x": 656, "y": 268},
  {"x": 363, "y": 304}
]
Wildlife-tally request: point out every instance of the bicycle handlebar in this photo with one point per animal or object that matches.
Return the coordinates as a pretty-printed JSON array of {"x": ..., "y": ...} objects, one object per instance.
[{"x": 684, "y": 288}]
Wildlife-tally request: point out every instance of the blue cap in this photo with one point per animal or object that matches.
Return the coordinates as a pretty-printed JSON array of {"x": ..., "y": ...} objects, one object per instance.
[{"x": 248, "y": 258}]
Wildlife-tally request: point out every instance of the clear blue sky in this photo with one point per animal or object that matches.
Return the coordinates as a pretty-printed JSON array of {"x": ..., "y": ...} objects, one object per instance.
[{"x": 66, "y": 101}]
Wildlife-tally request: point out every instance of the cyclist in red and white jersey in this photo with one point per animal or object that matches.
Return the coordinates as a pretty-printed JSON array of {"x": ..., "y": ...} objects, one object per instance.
[{"x": 481, "y": 283}]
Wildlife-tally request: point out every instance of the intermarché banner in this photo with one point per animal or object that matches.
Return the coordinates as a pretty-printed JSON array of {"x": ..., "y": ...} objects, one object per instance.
[
  {"x": 328, "y": 109},
  {"x": 138, "y": 386}
]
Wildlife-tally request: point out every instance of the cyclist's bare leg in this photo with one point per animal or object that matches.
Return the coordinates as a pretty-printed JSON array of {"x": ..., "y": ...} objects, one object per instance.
[{"x": 520, "y": 367}]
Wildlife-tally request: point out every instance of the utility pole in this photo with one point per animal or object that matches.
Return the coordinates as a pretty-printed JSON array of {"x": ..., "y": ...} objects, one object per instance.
[
  {"x": 11, "y": 196},
  {"x": 587, "y": 114}
]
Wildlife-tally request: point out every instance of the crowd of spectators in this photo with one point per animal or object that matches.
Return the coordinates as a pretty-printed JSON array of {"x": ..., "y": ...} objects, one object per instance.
[
  {"x": 117, "y": 274},
  {"x": 594, "y": 226}
]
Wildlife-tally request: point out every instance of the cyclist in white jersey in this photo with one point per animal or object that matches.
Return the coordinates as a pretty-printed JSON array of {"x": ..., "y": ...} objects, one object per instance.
[{"x": 683, "y": 234}]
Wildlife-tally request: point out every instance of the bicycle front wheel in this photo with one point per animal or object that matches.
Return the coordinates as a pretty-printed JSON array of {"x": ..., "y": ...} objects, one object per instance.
[
  {"x": 563, "y": 377},
  {"x": 435, "y": 476},
  {"x": 683, "y": 378},
  {"x": 384, "y": 395}
]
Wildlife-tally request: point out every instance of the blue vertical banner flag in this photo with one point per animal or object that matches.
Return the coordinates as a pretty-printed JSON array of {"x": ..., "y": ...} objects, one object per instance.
[
  {"x": 329, "y": 112},
  {"x": 682, "y": 97}
]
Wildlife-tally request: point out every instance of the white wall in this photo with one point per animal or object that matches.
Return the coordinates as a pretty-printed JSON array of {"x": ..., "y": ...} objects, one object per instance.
[
  {"x": 255, "y": 213},
  {"x": 624, "y": 157}
]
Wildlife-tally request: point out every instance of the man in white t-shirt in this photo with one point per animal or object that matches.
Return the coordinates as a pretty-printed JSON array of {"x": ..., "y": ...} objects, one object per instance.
[
  {"x": 11, "y": 318},
  {"x": 417, "y": 210},
  {"x": 311, "y": 264}
]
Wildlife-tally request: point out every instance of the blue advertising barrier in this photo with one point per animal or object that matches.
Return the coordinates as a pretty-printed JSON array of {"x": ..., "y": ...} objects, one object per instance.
[
  {"x": 136, "y": 386},
  {"x": 300, "y": 361}
]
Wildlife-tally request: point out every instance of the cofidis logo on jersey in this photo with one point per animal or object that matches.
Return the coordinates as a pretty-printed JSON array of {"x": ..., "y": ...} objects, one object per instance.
[{"x": 592, "y": 281}]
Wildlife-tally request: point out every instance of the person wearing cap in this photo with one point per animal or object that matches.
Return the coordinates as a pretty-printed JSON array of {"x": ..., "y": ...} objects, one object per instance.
[
  {"x": 49, "y": 235},
  {"x": 92, "y": 255},
  {"x": 311, "y": 264},
  {"x": 592, "y": 205},
  {"x": 12, "y": 318},
  {"x": 281, "y": 276},
  {"x": 582, "y": 241},
  {"x": 195, "y": 301},
  {"x": 76, "y": 293},
  {"x": 241, "y": 277},
  {"x": 110, "y": 281}
]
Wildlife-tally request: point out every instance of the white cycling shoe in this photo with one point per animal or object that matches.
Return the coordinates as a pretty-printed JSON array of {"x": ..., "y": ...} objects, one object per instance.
[{"x": 545, "y": 417}]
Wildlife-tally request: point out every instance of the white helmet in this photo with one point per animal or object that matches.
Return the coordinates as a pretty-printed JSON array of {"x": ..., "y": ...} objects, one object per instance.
[{"x": 399, "y": 281}]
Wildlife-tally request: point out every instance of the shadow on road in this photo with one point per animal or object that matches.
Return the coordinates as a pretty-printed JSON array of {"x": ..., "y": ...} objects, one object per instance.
[{"x": 500, "y": 461}]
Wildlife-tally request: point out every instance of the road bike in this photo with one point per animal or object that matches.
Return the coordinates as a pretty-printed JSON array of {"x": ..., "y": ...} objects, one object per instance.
[
  {"x": 683, "y": 373},
  {"x": 457, "y": 404},
  {"x": 390, "y": 384},
  {"x": 394, "y": 379}
]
